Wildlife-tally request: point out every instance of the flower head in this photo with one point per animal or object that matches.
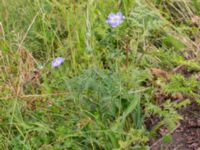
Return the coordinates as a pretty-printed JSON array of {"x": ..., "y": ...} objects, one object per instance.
[
  {"x": 115, "y": 19},
  {"x": 57, "y": 61}
]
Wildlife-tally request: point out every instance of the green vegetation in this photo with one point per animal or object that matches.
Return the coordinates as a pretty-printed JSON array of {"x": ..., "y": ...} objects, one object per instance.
[{"x": 103, "y": 93}]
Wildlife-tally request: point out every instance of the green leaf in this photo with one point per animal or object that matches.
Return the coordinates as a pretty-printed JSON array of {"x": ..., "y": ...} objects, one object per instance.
[
  {"x": 174, "y": 42},
  {"x": 198, "y": 102},
  {"x": 132, "y": 106},
  {"x": 167, "y": 138},
  {"x": 183, "y": 103}
]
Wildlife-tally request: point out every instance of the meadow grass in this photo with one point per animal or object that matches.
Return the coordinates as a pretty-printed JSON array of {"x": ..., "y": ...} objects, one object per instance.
[{"x": 100, "y": 97}]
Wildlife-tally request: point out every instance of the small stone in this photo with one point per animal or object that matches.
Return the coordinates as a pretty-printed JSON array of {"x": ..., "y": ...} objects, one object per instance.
[
  {"x": 192, "y": 123},
  {"x": 194, "y": 145},
  {"x": 198, "y": 122}
]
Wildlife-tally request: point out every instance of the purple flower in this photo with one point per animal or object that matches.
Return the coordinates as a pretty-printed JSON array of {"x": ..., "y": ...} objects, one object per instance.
[
  {"x": 115, "y": 19},
  {"x": 57, "y": 61}
]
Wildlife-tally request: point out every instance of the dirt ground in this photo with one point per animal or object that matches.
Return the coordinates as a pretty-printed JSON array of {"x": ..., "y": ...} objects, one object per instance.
[{"x": 187, "y": 135}]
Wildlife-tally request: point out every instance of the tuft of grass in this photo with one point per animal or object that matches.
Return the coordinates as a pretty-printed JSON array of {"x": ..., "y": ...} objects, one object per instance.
[{"x": 101, "y": 95}]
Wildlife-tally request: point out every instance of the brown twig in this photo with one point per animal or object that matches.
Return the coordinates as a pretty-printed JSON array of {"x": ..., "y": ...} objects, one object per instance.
[
  {"x": 127, "y": 51},
  {"x": 74, "y": 6},
  {"x": 2, "y": 33},
  {"x": 33, "y": 96}
]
